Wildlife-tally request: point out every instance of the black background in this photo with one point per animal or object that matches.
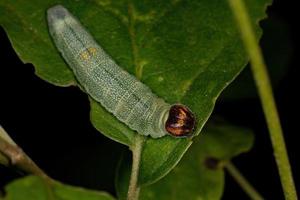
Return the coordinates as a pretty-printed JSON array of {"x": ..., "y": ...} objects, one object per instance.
[{"x": 52, "y": 123}]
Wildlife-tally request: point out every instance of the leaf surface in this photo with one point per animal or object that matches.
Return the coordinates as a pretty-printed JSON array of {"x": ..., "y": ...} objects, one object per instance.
[
  {"x": 185, "y": 51},
  {"x": 33, "y": 187}
]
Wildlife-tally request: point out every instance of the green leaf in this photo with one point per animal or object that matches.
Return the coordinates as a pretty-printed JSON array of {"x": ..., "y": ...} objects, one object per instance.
[
  {"x": 200, "y": 174},
  {"x": 35, "y": 188},
  {"x": 185, "y": 51}
]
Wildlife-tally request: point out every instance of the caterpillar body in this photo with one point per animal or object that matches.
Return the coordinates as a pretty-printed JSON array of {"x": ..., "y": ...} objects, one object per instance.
[{"x": 119, "y": 92}]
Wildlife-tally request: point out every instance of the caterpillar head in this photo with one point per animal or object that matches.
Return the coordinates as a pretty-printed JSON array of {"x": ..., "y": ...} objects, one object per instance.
[{"x": 181, "y": 121}]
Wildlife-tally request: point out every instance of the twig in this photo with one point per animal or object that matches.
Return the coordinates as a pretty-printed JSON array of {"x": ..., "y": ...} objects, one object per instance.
[
  {"x": 243, "y": 182},
  {"x": 17, "y": 157},
  {"x": 263, "y": 85}
]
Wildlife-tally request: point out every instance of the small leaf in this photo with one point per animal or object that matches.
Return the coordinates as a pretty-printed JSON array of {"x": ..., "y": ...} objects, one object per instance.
[
  {"x": 200, "y": 174},
  {"x": 185, "y": 51},
  {"x": 34, "y": 188}
]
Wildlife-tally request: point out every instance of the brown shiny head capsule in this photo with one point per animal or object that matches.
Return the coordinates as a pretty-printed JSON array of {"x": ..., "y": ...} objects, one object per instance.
[{"x": 180, "y": 122}]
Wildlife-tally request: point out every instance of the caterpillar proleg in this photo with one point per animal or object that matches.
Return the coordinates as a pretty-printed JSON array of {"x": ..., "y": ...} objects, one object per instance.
[{"x": 119, "y": 92}]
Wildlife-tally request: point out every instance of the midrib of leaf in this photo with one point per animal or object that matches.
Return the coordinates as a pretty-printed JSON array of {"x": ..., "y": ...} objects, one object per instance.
[
  {"x": 158, "y": 18},
  {"x": 131, "y": 29},
  {"x": 112, "y": 11},
  {"x": 139, "y": 69},
  {"x": 132, "y": 18},
  {"x": 138, "y": 144}
]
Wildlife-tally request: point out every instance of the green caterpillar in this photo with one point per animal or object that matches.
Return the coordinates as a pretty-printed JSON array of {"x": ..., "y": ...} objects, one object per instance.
[{"x": 120, "y": 93}]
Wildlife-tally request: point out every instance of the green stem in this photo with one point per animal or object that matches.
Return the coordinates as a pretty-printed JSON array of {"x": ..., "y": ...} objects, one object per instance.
[
  {"x": 134, "y": 189},
  {"x": 266, "y": 95},
  {"x": 242, "y": 181}
]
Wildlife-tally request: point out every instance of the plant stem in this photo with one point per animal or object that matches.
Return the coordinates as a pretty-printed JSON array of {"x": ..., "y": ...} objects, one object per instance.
[
  {"x": 266, "y": 96},
  {"x": 242, "y": 181},
  {"x": 17, "y": 157},
  {"x": 133, "y": 189}
]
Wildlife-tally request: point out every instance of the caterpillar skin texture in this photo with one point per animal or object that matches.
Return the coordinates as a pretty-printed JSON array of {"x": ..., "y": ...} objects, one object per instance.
[{"x": 120, "y": 93}]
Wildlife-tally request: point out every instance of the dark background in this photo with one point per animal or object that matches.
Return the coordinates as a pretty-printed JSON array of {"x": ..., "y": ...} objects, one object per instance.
[{"x": 52, "y": 123}]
